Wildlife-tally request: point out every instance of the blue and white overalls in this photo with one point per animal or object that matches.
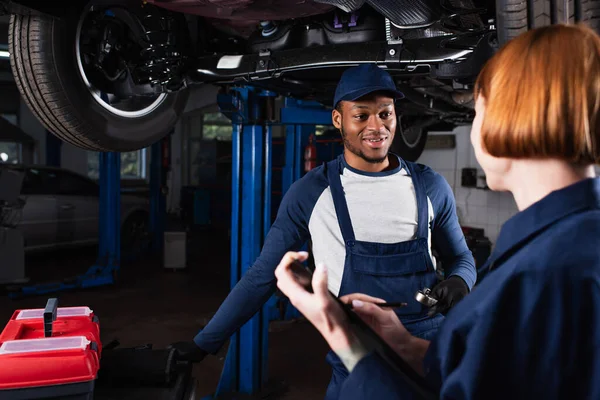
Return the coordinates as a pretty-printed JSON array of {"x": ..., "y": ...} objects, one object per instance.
[{"x": 391, "y": 271}]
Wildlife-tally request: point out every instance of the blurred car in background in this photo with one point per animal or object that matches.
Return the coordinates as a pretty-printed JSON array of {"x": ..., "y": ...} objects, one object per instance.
[{"x": 62, "y": 209}]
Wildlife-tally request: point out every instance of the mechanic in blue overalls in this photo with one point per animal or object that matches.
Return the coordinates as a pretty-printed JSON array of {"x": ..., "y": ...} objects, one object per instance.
[
  {"x": 376, "y": 264},
  {"x": 530, "y": 329},
  {"x": 371, "y": 217}
]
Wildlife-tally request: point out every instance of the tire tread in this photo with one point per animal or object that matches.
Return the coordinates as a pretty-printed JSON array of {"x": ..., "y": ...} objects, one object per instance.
[
  {"x": 518, "y": 16},
  {"x": 40, "y": 86}
]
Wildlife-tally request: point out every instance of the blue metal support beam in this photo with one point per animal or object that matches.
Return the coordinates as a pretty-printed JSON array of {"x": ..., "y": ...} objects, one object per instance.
[
  {"x": 245, "y": 370},
  {"x": 251, "y": 232},
  {"x": 271, "y": 304},
  {"x": 300, "y": 112},
  {"x": 53, "y": 150},
  {"x": 109, "y": 245},
  {"x": 300, "y": 118},
  {"x": 245, "y": 366},
  {"x": 158, "y": 201}
]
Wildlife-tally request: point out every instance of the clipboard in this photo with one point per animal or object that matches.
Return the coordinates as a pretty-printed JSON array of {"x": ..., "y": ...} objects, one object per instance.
[{"x": 374, "y": 342}]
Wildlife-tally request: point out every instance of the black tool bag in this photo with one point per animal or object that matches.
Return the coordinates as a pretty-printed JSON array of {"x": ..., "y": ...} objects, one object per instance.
[{"x": 143, "y": 373}]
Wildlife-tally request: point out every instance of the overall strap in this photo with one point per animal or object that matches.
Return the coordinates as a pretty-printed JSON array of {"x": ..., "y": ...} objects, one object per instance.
[
  {"x": 421, "y": 195},
  {"x": 334, "y": 169}
]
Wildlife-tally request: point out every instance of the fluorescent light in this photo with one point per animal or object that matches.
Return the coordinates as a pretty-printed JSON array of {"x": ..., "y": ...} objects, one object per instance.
[{"x": 4, "y": 54}]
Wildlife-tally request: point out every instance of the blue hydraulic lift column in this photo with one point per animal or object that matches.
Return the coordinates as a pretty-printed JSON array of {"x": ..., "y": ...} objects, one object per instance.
[
  {"x": 267, "y": 195},
  {"x": 245, "y": 369},
  {"x": 106, "y": 268},
  {"x": 300, "y": 118},
  {"x": 251, "y": 238},
  {"x": 246, "y": 360},
  {"x": 53, "y": 150},
  {"x": 109, "y": 245},
  {"x": 158, "y": 192}
]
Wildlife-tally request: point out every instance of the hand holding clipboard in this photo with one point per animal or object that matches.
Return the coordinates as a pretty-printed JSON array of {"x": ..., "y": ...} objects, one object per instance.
[{"x": 369, "y": 338}]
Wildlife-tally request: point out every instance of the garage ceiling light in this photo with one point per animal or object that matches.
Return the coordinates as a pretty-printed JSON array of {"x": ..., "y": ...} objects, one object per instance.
[{"x": 4, "y": 54}]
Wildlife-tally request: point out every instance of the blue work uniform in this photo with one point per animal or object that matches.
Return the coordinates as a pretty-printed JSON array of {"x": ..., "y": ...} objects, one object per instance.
[
  {"x": 530, "y": 329},
  {"x": 391, "y": 271}
]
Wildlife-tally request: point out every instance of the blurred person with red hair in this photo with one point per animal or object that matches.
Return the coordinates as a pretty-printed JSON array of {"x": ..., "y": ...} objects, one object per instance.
[{"x": 531, "y": 326}]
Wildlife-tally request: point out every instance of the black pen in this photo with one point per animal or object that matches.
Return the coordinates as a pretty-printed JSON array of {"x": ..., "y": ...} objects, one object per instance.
[{"x": 381, "y": 305}]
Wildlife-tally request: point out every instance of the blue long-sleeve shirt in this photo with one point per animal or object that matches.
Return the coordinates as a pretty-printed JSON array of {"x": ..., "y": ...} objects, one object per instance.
[
  {"x": 382, "y": 208},
  {"x": 531, "y": 327}
]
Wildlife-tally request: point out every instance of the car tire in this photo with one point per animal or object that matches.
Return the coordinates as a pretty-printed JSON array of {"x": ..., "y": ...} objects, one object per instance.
[
  {"x": 45, "y": 68},
  {"x": 409, "y": 143},
  {"x": 514, "y": 17}
]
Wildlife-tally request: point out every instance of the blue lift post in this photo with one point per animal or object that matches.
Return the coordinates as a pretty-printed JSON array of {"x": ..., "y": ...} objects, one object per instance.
[
  {"x": 245, "y": 369},
  {"x": 246, "y": 359},
  {"x": 109, "y": 245},
  {"x": 300, "y": 118},
  {"x": 104, "y": 271},
  {"x": 271, "y": 305},
  {"x": 158, "y": 201}
]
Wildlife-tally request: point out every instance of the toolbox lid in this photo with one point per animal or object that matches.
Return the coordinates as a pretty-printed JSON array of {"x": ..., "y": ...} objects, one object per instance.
[
  {"x": 45, "y": 344},
  {"x": 60, "y": 312}
]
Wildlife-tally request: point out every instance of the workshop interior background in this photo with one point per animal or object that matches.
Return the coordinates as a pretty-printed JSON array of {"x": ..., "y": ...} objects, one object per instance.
[{"x": 158, "y": 306}]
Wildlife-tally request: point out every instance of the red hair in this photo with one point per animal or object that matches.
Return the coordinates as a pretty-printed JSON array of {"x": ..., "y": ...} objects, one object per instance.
[{"x": 542, "y": 96}]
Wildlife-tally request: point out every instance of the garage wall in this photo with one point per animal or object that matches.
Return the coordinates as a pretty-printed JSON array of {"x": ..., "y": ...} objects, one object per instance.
[
  {"x": 475, "y": 207},
  {"x": 200, "y": 98},
  {"x": 74, "y": 159},
  {"x": 30, "y": 125}
]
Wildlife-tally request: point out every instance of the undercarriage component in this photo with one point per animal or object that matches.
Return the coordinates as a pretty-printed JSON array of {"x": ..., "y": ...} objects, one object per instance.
[
  {"x": 289, "y": 71},
  {"x": 241, "y": 17},
  {"x": 333, "y": 28},
  {"x": 467, "y": 71},
  {"x": 464, "y": 98},
  {"x": 136, "y": 58},
  {"x": 405, "y": 58},
  {"x": 402, "y": 13},
  {"x": 139, "y": 52},
  {"x": 245, "y": 10},
  {"x": 163, "y": 60}
]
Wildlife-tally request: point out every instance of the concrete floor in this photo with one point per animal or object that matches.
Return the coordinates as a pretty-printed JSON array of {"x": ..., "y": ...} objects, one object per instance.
[{"x": 153, "y": 305}]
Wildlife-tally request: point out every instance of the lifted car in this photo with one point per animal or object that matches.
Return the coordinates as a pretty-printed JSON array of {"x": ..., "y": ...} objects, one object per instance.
[{"x": 111, "y": 75}]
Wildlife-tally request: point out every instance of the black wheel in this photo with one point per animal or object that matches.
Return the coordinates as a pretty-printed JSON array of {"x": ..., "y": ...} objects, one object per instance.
[
  {"x": 410, "y": 139},
  {"x": 56, "y": 68},
  {"x": 514, "y": 17},
  {"x": 135, "y": 234}
]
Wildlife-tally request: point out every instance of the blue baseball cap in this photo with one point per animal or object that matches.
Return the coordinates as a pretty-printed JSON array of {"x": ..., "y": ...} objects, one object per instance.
[{"x": 357, "y": 82}]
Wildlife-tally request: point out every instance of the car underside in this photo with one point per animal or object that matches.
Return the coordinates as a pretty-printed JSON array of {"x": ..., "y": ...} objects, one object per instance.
[
  {"x": 301, "y": 48},
  {"x": 137, "y": 58}
]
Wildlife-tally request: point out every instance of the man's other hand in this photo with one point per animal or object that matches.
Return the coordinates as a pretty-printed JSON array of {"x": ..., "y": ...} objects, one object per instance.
[
  {"x": 448, "y": 293},
  {"x": 188, "y": 351}
]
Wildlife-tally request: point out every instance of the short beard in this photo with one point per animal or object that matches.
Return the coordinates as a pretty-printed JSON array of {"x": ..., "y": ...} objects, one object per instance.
[{"x": 359, "y": 152}]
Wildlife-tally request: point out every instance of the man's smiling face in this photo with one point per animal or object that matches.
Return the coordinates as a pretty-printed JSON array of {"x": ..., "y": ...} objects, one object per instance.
[{"x": 367, "y": 125}]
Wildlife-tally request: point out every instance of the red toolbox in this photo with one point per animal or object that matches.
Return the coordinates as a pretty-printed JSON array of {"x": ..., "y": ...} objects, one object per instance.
[{"x": 50, "y": 353}]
